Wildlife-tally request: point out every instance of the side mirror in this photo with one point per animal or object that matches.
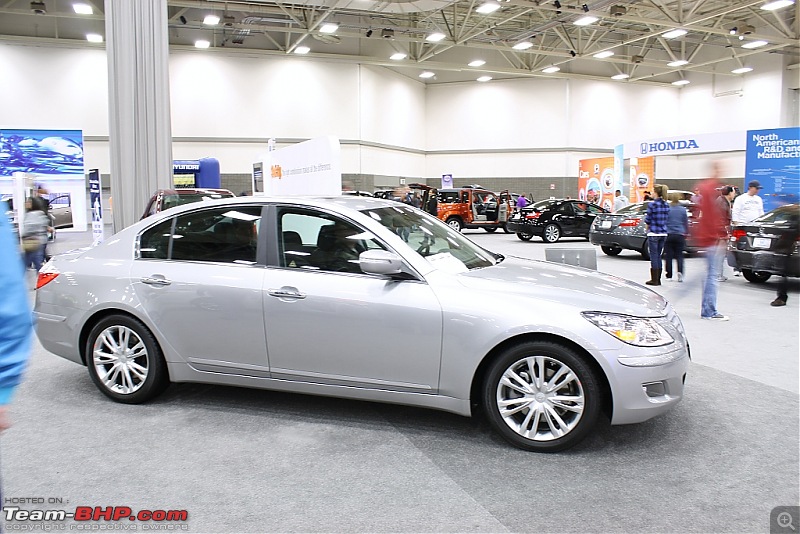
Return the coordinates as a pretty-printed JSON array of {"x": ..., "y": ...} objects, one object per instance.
[{"x": 381, "y": 262}]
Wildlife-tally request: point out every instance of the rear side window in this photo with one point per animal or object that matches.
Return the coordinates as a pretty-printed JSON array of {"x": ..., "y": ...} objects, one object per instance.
[{"x": 222, "y": 235}]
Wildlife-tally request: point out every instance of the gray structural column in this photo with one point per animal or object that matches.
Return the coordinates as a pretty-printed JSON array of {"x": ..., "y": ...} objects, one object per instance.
[{"x": 140, "y": 133}]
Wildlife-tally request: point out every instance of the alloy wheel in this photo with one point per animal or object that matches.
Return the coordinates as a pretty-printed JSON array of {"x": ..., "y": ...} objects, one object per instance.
[{"x": 120, "y": 359}]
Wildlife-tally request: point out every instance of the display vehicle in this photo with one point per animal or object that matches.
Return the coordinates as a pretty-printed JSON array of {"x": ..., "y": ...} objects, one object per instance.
[{"x": 770, "y": 245}]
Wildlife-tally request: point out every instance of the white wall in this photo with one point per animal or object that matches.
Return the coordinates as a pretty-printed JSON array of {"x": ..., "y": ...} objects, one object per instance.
[{"x": 226, "y": 106}]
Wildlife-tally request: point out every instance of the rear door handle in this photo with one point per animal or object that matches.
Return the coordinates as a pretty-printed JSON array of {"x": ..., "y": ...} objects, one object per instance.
[
  {"x": 286, "y": 293},
  {"x": 156, "y": 280}
]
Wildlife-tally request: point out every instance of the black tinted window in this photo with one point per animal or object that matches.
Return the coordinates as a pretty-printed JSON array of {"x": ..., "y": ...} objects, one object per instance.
[{"x": 228, "y": 235}]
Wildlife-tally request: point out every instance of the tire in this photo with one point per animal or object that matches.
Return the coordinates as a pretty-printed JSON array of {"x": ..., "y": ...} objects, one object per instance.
[
  {"x": 525, "y": 415},
  {"x": 491, "y": 229},
  {"x": 505, "y": 228},
  {"x": 455, "y": 223},
  {"x": 756, "y": 277},
  {"x": 144, "y": 375},
  {"x": 551, "y": 233},
  {"x": 524, "y": 236},
  {"x": 645, "y": 252},
  {"x": 611, "y": 251}
]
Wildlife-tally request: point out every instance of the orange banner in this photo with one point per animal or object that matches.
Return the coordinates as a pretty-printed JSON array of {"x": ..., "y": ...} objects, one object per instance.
[
  {"x": 596, "y": 181},
  {"x": 642, "y": 178}
]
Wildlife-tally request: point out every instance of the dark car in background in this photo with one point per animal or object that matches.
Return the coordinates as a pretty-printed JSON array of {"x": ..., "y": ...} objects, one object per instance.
[
  {"x": 163, "y": 199},
  {"x": 553, "y": 219},
  {"x": 768, "y": 245},
  {"x": 626, "y": 230}
]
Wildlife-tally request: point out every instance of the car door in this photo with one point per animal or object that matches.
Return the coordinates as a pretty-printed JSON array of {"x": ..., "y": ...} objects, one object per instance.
[
  {"x": 564, "y": 215},
  {"x": 590, "y": 213},
  {"x": 198, "y": 279},
  {"x": 329, "y": 323}
]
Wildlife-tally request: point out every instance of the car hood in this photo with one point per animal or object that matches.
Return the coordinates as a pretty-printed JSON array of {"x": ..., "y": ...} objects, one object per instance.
[{"x": 584, "y": 288}]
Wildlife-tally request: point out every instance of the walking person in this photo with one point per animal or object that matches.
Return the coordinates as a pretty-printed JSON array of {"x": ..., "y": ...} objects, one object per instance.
[
  {"x": 656, "y": 220},
  {"x": 16, "y": 320},
  {"x": 712, "y": 233},
  {"x": 785, "y": 246},
  {"x": 34, "y": 235},
  {"x": 677, "y": 229},
  {"x": 724, "y": 203}
]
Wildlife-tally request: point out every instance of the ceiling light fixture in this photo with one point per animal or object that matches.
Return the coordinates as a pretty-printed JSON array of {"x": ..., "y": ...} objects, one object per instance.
[
  {"x": 551, "y": 69},
  {"x": 672, "y": 34},
  {"x": 201, "y": 43},
  {"x": 329, "y": 28},
  {"x": 524, "y": 45},
  {"x": 603, "y": 55},
  {"x": 86, "y": 9},
  {"x": 620, "y": 76},
  {"x": 94, "y": 37},
  {"x": 484, "y": 78},
  {"x": 488, "y": 7},
  {"x": 427, "y": 74},
  {"x": 777, "y": 4},
  {"x": 677, "y": 63},
  {"x": 741, "y": 70},
  {"x": 435, "y": 37},
  {"x": 477, "y": 63},
  {"x": 755, "y": 44},
  {"x": 397, "y": 56},
  {"x": 302, "y": 50},
  {"x": 585, "y": 21},
  {"x": 211, "y": 20},
  {"x": 681, "y": 82}
]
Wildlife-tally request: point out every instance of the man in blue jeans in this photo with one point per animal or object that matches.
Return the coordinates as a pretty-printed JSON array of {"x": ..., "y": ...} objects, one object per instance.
[
  {"x": 656, "y": 220},
  {"x": 711, "y": 234}
]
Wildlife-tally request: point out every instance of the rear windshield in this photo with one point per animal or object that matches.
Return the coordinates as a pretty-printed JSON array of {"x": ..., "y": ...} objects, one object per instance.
[
  {"x": 633, "y": 208},
  {"x": 544, "y": 204},
  {"x": 783, "y": 215}
]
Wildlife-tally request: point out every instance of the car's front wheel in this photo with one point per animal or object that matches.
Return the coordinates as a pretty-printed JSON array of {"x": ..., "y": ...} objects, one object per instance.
[
  {"x": 552, "y": 233},
  {"x": 490, "y": 229},
  {"x": 611, "y": 251},
  {"x": 525, "y": 236},
  {"x": 125, "y": 361},
  {"x": 541, "y": 396},
  {"x": 756, "y": 277}
]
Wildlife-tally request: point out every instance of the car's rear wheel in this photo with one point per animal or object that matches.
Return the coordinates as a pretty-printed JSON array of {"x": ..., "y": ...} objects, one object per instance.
[
  {"x": 551, "y": 234},
  {"x": 505, "y": 228},
  {"x": 455, "y": 223},
  {"x": 541, "y": 396},
  {"x": 125, "y": 361},
  {"x": 490, "y": 229},
  {"x": 611, "y": 251},
  {"x": 525, "y": 236},
  {"x": 756, "y": 277}
]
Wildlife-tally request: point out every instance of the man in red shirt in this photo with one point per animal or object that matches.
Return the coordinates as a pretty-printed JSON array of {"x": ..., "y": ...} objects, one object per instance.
[{"x": 712, "y": 234}]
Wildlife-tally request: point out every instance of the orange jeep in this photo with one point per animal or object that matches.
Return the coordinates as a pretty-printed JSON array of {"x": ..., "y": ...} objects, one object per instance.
[{"x": 471, "y": 207}]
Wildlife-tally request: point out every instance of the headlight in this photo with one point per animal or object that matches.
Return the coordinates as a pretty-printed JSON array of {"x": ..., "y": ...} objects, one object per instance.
[{"x": 638, "y": 331}]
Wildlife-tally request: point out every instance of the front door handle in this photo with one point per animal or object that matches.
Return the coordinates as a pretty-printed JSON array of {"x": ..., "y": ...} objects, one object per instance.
[
  {"x": 156, "y": 280},
  {"x": 286, "y": 293}
]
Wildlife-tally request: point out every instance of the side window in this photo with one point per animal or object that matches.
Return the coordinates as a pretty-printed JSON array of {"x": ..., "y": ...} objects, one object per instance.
[
  {"x": 580, "y": 209},
  {"x": 565, "y": 208},
  {"x": 594, "y": 210},
  {"x": 321, "y": 242},
  {"x": 227, "y": 235},
  {"x": 154, "y": 242}
]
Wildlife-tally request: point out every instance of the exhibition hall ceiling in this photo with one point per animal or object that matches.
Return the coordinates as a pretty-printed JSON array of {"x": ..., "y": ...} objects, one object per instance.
[{"x": 648, "y": 41}]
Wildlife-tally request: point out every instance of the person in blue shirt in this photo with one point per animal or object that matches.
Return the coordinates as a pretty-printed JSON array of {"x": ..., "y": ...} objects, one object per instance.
[
  {"x": 677, "y": 229},
  {"x": 16, "y": 320},
  {"x": 656, "y": 220}
]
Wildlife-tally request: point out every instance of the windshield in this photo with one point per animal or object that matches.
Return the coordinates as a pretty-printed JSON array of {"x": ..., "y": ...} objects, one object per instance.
[
  {"x": 444, "y": 247},
  {"x": 783, "y": 215}
]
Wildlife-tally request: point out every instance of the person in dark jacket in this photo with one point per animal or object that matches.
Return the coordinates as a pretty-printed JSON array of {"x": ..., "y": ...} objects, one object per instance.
[
  {"x": 677, "y": 228},
  {"x": 16, "y": 320},
  {"x": 656, "y": 220}
]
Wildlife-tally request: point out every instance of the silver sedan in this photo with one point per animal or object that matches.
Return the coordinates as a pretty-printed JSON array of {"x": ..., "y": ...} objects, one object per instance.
[{"x": 267, "y": 293}]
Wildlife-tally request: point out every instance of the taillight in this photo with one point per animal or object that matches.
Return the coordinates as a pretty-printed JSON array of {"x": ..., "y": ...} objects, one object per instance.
[
  {"x": 533, "y": 215},
  {"x": 632, "y": 221},
  {"x": 46, "y": 275},
  {"x": 736, "y": 234}
]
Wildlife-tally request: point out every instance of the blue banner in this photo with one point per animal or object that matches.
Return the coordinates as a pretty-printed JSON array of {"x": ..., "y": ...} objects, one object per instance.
[{"x": 773, "y": 158}]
